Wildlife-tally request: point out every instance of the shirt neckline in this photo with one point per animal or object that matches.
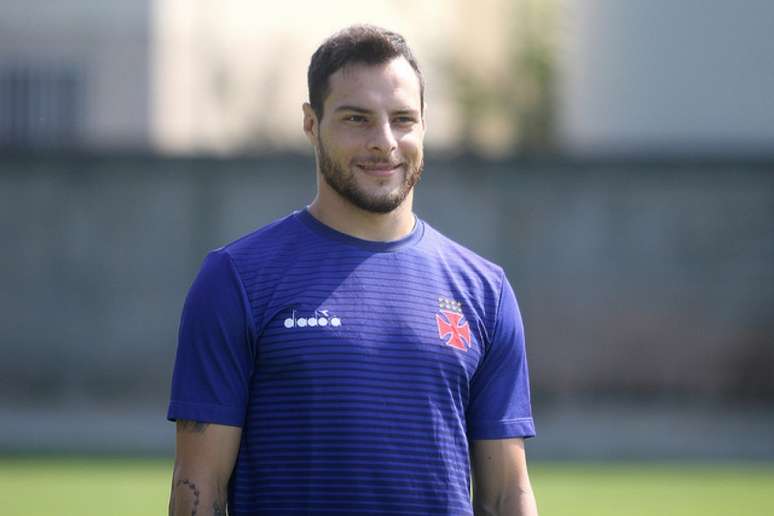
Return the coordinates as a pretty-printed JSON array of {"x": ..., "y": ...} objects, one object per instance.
[{"x": 329, "y": 233}]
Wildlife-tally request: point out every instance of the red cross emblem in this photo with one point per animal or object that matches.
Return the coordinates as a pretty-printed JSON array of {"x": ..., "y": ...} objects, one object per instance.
[
  {"x": 451, "y": 326},
  {"x": 451, "y": 329}
]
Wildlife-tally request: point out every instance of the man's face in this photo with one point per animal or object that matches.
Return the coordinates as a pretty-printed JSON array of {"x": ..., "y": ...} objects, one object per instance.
[{"x": 369, "y": 141}]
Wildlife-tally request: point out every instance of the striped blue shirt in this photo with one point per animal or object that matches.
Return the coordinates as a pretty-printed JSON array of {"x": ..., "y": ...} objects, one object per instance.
[{"x": 359, "y": 371}]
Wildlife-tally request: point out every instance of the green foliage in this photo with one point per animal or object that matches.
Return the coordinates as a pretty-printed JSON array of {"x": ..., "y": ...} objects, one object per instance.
[{"x": 516, "y": 99}]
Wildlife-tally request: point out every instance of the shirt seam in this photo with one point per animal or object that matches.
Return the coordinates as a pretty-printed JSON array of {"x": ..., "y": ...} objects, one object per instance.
[
  {"x": 496, "y": 323},
  {"x": 242, "y": 291}
]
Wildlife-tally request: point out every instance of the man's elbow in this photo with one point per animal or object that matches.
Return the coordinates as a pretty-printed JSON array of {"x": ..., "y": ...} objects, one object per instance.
[{"x": 516, "y": 501}]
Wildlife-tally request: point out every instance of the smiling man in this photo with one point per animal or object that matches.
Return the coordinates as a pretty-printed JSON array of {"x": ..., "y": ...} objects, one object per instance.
[{"x": 348, "y": 358}]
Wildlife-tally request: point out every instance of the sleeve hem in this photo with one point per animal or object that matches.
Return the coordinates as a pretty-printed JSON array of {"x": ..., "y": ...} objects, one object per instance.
[
  {"x": 206, "y": 413},
  {"x": 506, "y": 429}
]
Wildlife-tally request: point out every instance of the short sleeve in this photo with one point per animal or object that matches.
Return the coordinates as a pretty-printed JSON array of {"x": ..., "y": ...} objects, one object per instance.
[
  {"x": 215, "y": 351},
  {"x": 500, "y": 406}
]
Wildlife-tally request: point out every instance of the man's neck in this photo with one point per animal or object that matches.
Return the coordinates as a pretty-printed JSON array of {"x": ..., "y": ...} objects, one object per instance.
[{"x": 341, "y": 215}]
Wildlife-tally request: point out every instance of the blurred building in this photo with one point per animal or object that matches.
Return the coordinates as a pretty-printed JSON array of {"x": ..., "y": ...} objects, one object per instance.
[
  {"x": 75, "y": 74},
  {"x": 229, "y": 76},
  {"x": 177, "y": 76}
]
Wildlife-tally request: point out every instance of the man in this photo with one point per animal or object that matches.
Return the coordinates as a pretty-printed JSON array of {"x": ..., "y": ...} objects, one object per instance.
[{"x": 348, "y": 358}]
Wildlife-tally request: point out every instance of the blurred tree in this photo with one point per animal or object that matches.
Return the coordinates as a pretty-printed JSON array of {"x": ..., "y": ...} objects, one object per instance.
[{"x": 503, "y": 74}]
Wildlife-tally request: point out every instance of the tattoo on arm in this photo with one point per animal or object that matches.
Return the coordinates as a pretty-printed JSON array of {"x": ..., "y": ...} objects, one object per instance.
[
  {"x": 218, "y": 509},
  {"x": 219, "y": 505},
  {"x": 195, "y": 490},
  {"x": 184, "y": 425}
]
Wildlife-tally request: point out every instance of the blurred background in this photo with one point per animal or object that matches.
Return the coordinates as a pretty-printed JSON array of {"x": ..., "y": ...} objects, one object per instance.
[{"x": 616, "y": 157}]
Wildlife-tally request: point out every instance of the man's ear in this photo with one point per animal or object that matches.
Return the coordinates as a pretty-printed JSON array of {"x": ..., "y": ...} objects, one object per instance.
[{"x": 311, "y": 125}]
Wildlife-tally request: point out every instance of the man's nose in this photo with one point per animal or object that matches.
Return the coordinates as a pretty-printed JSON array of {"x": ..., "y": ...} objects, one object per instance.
[{"x": 382, "y": 138}]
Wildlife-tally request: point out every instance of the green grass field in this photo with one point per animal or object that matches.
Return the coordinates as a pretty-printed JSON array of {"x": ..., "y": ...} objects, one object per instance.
[{"x": 124, "y": 487}]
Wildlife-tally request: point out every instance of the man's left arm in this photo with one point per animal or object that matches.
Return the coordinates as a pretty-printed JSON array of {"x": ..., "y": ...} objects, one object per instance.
[{"x": 501, "y": 485}]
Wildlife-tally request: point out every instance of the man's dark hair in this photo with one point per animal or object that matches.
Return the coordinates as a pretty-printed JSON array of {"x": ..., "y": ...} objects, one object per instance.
[{"x": 363, "y": 44}]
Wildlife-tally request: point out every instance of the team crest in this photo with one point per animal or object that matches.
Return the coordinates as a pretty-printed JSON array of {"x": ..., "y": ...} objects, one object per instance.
[{"x": 451, "y": 328}]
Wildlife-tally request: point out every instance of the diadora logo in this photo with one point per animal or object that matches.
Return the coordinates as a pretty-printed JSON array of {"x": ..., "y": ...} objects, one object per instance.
[
  {"x": 320, "y": 318},
  {"x": 451, "y": 328}
]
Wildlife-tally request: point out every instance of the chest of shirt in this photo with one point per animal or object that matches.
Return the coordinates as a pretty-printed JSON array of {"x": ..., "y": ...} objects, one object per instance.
[{"x": 393, "y": 331}]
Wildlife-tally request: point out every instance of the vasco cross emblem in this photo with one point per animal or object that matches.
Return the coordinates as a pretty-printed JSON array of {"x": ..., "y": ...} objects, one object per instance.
[{"x": 451, "y": 328}]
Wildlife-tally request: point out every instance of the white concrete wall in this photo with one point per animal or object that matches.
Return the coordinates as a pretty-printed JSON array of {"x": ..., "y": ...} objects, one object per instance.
[{"x": 667, "y": 76}]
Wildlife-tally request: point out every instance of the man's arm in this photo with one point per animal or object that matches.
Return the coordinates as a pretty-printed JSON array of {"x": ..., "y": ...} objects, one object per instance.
[
  {"x": 204, "y": 458},
  {"x": 501, "y": 485}
]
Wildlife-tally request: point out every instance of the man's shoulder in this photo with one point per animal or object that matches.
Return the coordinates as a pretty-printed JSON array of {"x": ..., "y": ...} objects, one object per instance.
[
  {"x": 273, "y": 243},
  {"x": 270, "y": 237},
  {"x": 459, "y": 256},
  {"x": 471, "y": 279}
]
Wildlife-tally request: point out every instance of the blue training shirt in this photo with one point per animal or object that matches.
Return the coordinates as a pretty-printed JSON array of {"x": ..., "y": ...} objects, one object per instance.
[{"x": 359, "y": 371}]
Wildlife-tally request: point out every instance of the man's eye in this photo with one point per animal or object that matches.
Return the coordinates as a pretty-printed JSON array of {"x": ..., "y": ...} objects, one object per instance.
[
  {"x": 354, "y": 118},
  {"x": 405, "y": 120}
]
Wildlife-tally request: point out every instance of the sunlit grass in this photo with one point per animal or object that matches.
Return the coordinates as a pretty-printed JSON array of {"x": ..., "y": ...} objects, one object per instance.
[
  {"x": 634, "y": 489},
  {"x": 140, "y": 487},
  {"x": 84, "y": 487}
]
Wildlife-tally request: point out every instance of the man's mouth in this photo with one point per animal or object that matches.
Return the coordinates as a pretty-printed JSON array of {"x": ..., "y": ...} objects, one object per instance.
[{"x": 379, "y": 168}]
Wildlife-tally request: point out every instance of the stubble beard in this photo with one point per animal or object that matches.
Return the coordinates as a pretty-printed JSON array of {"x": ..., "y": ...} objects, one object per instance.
[{"x": 345, "y": 184}]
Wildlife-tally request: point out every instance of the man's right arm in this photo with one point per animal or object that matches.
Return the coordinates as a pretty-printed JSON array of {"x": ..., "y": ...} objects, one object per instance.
[{"x": 204, "y": 459}]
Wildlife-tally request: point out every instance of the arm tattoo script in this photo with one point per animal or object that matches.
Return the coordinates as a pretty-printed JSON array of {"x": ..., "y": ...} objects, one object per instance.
[
  {"x": 218, "y": 506},
  {"x": 185, "y": 425},
  {"x": 195, "y": 490}
]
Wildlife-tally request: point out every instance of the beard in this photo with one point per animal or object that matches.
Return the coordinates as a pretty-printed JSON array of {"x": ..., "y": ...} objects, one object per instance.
[{"x": 343, "y": 181}]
